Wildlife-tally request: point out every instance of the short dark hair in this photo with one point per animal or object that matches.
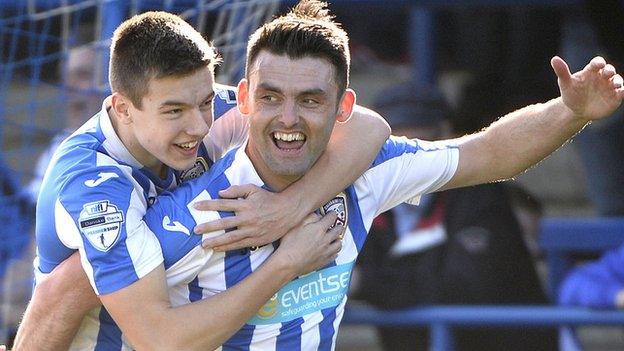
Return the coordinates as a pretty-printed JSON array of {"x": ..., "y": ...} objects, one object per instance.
[
  {"x": 307, "y": 30},
  {"x": 155, "y": 45}
]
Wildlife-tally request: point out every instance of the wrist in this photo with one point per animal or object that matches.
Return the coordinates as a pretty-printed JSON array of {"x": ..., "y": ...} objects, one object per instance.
[
  {"x": 282, "y": 267},
  {"x": 578, "y": 120},
  {"x": 292, "y": 202}
]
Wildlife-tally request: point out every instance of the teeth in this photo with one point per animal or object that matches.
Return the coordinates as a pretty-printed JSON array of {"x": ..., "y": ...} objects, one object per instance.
[
  {"x": 296, "y": 136},
  {"x": 189, "y": 145}
]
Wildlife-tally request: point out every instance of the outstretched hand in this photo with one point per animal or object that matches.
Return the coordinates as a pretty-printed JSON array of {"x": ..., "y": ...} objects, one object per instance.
[
  {"x": 261, "y": 217},
  {"x": 591, "y": 93}
]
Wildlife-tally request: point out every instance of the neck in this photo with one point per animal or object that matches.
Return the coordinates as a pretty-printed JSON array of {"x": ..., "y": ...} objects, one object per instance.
[{"x": 275, "y": 182}]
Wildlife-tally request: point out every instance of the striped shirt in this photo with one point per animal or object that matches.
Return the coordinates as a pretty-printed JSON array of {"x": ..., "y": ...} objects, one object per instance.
[{"x": 304, "y": 314}]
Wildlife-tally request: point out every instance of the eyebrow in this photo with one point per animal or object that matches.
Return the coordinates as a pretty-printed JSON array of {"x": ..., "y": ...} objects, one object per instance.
[
  {"x": 313, "y": 91},
  {"x": 180, "y": 103}
]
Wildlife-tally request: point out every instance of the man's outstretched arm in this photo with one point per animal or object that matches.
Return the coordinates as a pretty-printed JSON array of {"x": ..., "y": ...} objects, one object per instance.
[
  {"x": 524, "y": 137},
  {"x": 263, "y": 217}
]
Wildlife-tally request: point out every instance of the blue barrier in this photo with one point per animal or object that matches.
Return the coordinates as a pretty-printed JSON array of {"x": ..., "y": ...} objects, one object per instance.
[{"x": 442, "y": 319}]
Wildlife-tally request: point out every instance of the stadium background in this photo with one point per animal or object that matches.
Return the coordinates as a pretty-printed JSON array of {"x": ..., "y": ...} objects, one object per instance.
[{"x": 505, "y": 43}]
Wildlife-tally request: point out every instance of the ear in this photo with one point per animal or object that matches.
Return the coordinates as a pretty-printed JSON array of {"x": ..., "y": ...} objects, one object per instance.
[
  {"x": 121, "y": 107},
  {"x": 242, "y": 97},
  {"x": 345, "y": 108}
]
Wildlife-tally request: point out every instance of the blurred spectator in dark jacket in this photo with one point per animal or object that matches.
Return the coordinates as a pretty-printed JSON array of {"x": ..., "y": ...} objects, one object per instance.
[{"x": 463, "y": 246}]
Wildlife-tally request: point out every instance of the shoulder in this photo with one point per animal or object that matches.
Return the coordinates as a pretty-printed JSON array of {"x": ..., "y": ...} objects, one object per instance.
[
  {"x": 396, "y": 147},
  {"x": 224, "y": 100}
]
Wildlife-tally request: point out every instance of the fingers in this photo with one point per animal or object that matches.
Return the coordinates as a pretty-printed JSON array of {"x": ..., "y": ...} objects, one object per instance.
[
  {"x": 617, "y": 82},
  {"x": 596, "y": 64},
  {"x": 312, "y": 218},
  {"x": 219, "y": 205},
  {"x": 561, "y": 70},
  {"x": 217, "y": 225},
  {"x": 608, "y": 71},
  {"x": 238, "y": 191},
  {"x": 230, "y": 240},
  {"x": 329, "y": 219}
]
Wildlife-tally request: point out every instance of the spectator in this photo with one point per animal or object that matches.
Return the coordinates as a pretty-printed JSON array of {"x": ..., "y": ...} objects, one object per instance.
[
  {"x": 82, "y": 100},
  {"x": 462, "y": 246},
  {"x": 599, "y": 284}
]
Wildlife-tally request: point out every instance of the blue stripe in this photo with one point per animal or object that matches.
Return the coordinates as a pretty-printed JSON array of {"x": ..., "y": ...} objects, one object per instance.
[
  {"x": 241, "y": 340},
  {"x": 356, "y": 223},
  {"x": 395, "y": 147},
  {"x": 326, "y": 329},
  {"x": 195, "y": 291},
  {"x": 143, "y": 181},
  {"x": 109, "y": 335},
  {"x": 290, "y": 336}
]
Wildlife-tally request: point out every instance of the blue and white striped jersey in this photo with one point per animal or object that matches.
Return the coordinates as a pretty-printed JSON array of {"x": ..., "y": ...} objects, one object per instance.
[
  {"x": 93, "y": 199},
  {"x": 305, "y": 314}
]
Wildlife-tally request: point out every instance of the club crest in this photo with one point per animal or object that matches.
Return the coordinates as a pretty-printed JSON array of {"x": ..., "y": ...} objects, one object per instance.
[
  {"x": 339, "y": 205},
  {"x": 198, "y": 169}
]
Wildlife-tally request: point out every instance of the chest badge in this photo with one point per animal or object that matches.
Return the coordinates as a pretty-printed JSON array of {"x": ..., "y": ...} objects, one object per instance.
[
  {"x": 198, "y": 169},
  {"x": 339, "y": 205}
]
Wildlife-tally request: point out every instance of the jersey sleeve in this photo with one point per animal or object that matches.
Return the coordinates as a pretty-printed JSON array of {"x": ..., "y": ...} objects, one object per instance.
[
  {"x": 405, "y": 168},
  {"x": 229, "y": 129},
  {"x": 100, "y": 212}
]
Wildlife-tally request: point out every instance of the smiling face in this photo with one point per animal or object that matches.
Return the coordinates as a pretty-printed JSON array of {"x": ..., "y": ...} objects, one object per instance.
[
  {"x": 175, "y": 115},
  {"x": 292, "y": 105}
]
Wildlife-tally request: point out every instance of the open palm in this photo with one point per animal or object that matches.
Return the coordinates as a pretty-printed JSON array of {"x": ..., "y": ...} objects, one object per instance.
[{"x": 592, "y": 93}]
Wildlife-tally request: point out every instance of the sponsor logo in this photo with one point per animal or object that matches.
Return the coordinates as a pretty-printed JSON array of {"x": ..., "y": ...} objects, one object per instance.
[
  {"x": 308, "y": 294},
  {"x": 198, "y": 169},
  {"x": 174, "y": 226},
  {"x": 102, "y": 177},
  {"x": 338, "y": 205},
  {"x": 100, "y": 222}
]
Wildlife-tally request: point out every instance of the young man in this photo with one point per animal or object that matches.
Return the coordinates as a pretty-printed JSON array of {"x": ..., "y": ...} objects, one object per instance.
[
  {"x": 297, "y": 74},
  {"x": 150, "y": 135}
]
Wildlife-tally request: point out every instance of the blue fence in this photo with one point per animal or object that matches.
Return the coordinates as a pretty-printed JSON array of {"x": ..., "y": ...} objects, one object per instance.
[
  {"x": 561, "y": 239},
  {"x": 442, "y": 319}
]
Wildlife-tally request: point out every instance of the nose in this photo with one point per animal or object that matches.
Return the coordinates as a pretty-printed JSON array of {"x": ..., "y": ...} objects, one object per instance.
[
  {"x": 199, "y": 123},
  {"x": 290, "y": 115}
]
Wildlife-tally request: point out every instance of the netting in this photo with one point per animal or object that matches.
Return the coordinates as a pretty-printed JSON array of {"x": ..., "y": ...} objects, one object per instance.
[{"x": 53, "y": 64}]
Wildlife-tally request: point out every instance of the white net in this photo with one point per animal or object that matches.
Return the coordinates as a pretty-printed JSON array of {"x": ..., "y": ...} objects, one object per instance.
[{"x": 53, "y": 63}]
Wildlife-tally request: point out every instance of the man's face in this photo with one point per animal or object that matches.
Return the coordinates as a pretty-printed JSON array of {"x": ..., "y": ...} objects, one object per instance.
[
  {"x": 292, "y": 105},
  {"x": 175, "y": 116}
]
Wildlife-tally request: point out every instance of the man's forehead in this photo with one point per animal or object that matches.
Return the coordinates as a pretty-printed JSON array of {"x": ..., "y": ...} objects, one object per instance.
[{"x": 301, "y": 73}]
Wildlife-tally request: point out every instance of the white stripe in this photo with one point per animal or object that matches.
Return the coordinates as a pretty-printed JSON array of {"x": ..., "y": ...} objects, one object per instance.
[
  {"x": 204, "y": 216},
  {"x": 339, "y": 314},
  {"x": 65, "y": 227},
  {"x": 310, "y": 334},
  {"x": 143, "y": 246}
]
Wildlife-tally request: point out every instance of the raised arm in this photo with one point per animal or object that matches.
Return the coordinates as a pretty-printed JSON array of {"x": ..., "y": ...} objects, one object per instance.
[
  {"x": 524, "y": 137},
  {"x": 58, "y": 304},
  {"x": 263, "y": 217}
]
